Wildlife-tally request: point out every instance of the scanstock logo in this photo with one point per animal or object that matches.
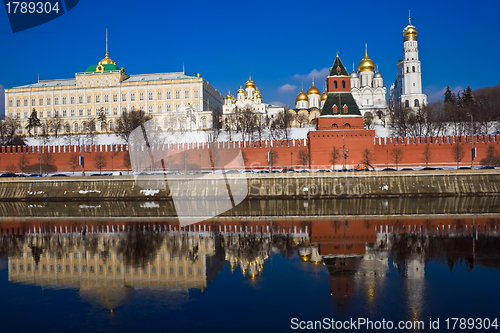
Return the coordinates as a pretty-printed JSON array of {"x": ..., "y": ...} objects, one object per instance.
[
  {"x": 28, "y": 14},
  {"x": 197, "y": 193}
]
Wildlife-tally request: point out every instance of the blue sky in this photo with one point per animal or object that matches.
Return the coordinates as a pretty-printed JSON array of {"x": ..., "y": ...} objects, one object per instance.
[{"x": 281, "y": 43}]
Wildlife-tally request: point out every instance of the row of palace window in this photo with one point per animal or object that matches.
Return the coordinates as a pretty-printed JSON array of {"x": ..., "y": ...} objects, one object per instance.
[
  {"x": 167, "y": 124},
  {"x": 106, "y": 98},
  {"x": 151, "y": 109},
  {"x": 100, "y": 269}
]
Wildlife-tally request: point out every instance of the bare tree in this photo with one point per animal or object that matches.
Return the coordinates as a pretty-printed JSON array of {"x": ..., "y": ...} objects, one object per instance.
[
  {"x": 126, "y": 161},
  {"x": 397, "y": 156},
  {"x": 23, "y": 163},
  {"x": 113, "y": 155},
  {"x": 457, "y": 152},
  {"x": 48, "y": 161},
  {"x": 280, "y": 125},
  {"x": 303, "y": 157},
  {"x": 492, "y": 158},
  {"x": 368, "y": 120},
  {"x": 427, "y": 155},
  {"x": 130, "y": 121},
  {"x": 100, "y": 161},
  {"x": 367, "y": 156},
  {"x": 74, "y": 162},
  {"x": 56, "y": 124},
  {"x": 334, "y": 156},
  {"x": 302, "y": 118}
]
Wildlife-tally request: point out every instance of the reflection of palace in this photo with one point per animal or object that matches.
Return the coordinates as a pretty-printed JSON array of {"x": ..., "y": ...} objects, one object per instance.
[{"x": 108, "y": 259}]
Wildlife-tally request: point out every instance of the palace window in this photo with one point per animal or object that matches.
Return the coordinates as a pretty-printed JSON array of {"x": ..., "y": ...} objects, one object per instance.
[
  {"x": 72, "y": 99},
  {"x": 56, "y": 113},
  {"x": 48, "y": 100},
  {"x": 80, "y": 99},
  {"x": 18, "y": 115},
  {"x": 132, "y": 108},
  {"x": 203, "y": 122},
  {"x": 56, "y": 100},
  {"x": 106, "y": 111},
  {"x": 158, "y": 108},
  {"x": 25, "y": 102},
  {"x": 124, "y": 110},
  {"x": 106, "y": 98},
  {"x": 115, "y": 98},
  {"x": 141, "y": 96},
  {"x": 177, "y": 107},
  {"x": 150, "y": 95},
  {"x": 72, "y": 113},
  {"x": 115, "y": 111},
  {"x": 33, "y": 101},
  {"x": 89, "y": 111},
  {"x": 80, "y": 112},
  {"x": 10, "y": 103},
  {"x": 124, "y": 97},
  {"x": 25, "y": 114},
  {"x": 158, "y": 95},
  {"x": 89, "y": 99},
  {"x": 195, "y": 94},
  {"x": 41, "y": 114},
  {"x": 76, "y": 127},
  {"x": 168, "y": 95},
  {"x": 64, "y": 100},
  {"x": 177, "y": 94},
  {"x": 97, "y": 98},
  {"x": 132, "y": 96},
  {"x": 141, "y": 107},
  {"x": 111, "y": 126},
  {"x": 150, "y": 109},
  {"x": 169, "y": 108},
  {"x": 186, "y": 93},
  {"x": 49, "y": 114},
  {"x": 196, "y": 106}
]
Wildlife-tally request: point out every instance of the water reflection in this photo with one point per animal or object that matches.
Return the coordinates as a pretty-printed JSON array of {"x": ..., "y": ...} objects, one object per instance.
[{"x": 106, "y": 260}]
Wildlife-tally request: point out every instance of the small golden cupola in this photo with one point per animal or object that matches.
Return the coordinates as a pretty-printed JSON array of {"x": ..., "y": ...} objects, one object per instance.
[
  {"x": 324, "y": 95},
  {"x": 301, "y": 96},
  {"x": 366, "y": 64},
  {"x": 249, "y": 83},
  {"x": 313, "y": 90}
]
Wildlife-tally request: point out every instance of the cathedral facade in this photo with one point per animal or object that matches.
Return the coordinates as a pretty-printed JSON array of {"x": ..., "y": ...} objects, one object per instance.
[
  {"x": 367, "y": 88},
  {"x": 407, "y": 89},
  {"x": 308, "y": 106}
]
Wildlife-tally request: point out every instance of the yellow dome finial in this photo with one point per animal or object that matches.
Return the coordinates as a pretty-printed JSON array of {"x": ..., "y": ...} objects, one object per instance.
[
  {"x": 409, "y": 18},
  {"x": 366, "y": 64}
]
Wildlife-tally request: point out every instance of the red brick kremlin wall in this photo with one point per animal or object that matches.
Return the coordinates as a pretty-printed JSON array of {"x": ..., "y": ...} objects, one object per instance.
[{"x": 318, "y": 146}]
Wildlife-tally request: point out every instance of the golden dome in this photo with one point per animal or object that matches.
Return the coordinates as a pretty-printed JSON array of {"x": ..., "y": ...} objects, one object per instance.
[
  {"x": 324, "y": 95},
  {"x": 241, "y": 91},
  {"x": 229, "y": 96},
  {"x": 366, "y": 64},
  {"x": 249, "y": 83},
  {"x": 410, "y": 32},
  {"x": 301, "y": 97},
  {"x": 313, "y": 90},
  {"x": 257, "y": 95},
  {"x": 400, "y": 62},
  {"x": 106, "y": 60}
]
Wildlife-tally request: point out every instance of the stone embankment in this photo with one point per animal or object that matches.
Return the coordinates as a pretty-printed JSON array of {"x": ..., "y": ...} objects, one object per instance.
[{"x": 255, "y": 186}]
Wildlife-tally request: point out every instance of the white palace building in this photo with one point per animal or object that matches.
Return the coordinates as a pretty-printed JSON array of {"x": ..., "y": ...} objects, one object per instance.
[{"x": 173, "y": 99}]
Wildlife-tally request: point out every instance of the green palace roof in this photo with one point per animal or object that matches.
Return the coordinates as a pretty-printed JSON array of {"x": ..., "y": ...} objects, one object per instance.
[{"x": 107, "y": 68}]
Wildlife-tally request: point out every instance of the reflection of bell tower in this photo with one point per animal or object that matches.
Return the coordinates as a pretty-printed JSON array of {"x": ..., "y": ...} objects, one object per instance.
[{"x": 342, "y": 277}]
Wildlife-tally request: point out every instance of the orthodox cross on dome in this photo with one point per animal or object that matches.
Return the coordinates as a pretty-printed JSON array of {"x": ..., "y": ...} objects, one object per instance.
[{"x": 409, "y": 18}]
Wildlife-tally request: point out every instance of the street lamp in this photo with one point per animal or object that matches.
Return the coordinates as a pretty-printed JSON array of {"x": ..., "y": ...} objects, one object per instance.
[{"x": 472, "y": 151}]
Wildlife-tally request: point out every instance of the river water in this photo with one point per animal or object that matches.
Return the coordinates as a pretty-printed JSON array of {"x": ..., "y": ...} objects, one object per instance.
[{"x": 266, "y": 266}]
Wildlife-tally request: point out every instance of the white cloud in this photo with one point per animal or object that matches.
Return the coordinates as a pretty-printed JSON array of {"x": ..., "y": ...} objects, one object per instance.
[
  {"x": 278, "y": 103},
  {"x": 2, "y": 100},
  {"x": 319, "y": 75},
  {"x": 287, "y": 88},
  {"x": 435, "y": 94}
]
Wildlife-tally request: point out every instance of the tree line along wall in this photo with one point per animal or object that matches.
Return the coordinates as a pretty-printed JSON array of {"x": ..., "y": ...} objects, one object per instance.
[{"x": 285, "y": 153}]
